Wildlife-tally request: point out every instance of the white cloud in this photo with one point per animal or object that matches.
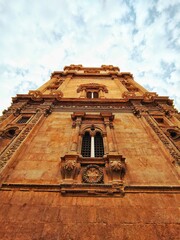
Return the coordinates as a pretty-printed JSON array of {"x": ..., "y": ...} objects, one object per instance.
[{"x": 39, "y": 37}]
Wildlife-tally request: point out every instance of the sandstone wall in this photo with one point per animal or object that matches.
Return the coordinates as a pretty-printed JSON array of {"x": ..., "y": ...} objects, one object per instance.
[{"x": 48, "y": 216}]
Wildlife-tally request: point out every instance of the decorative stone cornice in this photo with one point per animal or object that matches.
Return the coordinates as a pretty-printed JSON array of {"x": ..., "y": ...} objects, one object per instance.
[{"x": 149, "y": 96}]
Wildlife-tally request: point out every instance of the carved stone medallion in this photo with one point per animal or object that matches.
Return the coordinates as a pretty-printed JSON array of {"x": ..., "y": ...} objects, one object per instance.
[{"x": 92, "y": 174}]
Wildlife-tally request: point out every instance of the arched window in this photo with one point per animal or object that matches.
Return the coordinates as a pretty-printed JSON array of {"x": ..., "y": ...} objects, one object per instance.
[
  {"x": 95, "y": 95},
  {"x": 86, "y": 145},
  {"x": 89, "y": 94},
  {"x": 92, "y": 146},
  {"x": 98, "y": 145},
  {"x": 92, "y": 94}
]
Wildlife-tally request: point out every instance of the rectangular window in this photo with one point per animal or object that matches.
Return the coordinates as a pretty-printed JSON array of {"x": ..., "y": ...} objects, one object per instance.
[
  {"x": 161, "y": 121},
  {"x": 23, "y": 120}
]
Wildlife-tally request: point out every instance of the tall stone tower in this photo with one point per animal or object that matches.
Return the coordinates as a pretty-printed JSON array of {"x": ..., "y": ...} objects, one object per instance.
[{"x": 91, "y": 154}]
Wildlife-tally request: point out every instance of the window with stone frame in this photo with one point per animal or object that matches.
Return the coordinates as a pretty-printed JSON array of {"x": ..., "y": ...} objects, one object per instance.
[
  {"x": 92, "y": 144},
  {"x": 23, "y": 119},
  {"x": 92, "y": 94},
  {"x": 92, "y": 90}
]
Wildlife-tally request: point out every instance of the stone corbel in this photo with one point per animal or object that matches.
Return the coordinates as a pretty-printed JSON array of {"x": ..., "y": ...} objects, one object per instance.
[
  {"x": 149, "y": 96},
  {"x": 139, "y": 109},
  {"x": 57, "y": 94},
  {"x": 69, "y": 168},
  {"x": 127, "y": 95},
  {"x": 115, "y": 168},
  {"x": 36, "y": 95},
  {"x": 16, "y": 112}
]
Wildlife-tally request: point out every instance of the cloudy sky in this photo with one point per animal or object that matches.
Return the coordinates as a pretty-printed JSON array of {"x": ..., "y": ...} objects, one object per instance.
[{"x": 38, "y": 37}]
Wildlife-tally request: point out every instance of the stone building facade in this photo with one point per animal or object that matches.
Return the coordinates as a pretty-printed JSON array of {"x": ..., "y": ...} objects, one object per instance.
[{"x": 91, "y": 154}]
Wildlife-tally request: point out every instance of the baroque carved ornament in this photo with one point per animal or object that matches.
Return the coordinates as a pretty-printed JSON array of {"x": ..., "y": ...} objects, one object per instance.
[{"x": 92, "y": 174}]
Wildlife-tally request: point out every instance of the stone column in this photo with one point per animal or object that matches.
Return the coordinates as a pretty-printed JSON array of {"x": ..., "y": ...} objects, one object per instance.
[
  {"x": 92, "y": 147},
  {"x": 106, "y": 148},
  {"x": 113, "y": 137},
  {"x": 75, "y": 137},
  {"x": 109, "y": 136}
]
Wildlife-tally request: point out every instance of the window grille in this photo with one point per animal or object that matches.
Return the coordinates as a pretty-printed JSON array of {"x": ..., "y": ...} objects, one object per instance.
[
  {"x": 86, "y": 145},
  {"x": 92, "y": 95},
  {"x": 89, "y": 94},
  {"x": 95, "y": 95},
  {"x": 98, "y": 144},
  {"x": 23, "y": 120}
]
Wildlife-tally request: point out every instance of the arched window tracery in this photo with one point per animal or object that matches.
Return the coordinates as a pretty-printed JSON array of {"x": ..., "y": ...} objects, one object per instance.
[{"x": 92, "y": 144}]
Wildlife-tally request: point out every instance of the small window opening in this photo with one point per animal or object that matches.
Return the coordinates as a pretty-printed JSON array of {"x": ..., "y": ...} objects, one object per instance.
[
  {"x": 99, "y": 148},
  {"x": 173, "y": 134},
  {"x": 86, "y": 145},
  {"x": 159, "y": 120},
  {"x": 95, "y": 95},
  {"x": 89, "y": 94},
  {"x": 11, "y": 132},
  {"x": 23, "y": 120}
]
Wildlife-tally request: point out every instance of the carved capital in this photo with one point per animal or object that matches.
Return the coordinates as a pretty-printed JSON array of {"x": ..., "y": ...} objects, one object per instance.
[
  {"x": 115, "y": 167},
  {"x": 69, "y": 168},
  {"x": 69, "y": 165}
]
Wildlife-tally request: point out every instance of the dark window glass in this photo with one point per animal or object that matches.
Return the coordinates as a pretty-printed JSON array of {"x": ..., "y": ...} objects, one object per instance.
[
  {"x": 89, "y": 95},
  {"x": 95, "y": 94},
  {"x": 86, "y": 145},
  {"x": 23, "y": 120},
  {"x": 99, "y": 148}
]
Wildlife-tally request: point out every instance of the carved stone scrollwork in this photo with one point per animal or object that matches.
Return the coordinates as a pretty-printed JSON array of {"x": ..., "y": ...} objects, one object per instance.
[
  {"x": 69, "y": 168},
  {"x": 128, "y": 95},
  {"x": 137, "y": 113},
  {"x": 139, "y": 109},
  {"x": 116, "y": 168},
  {"x": 92, "y": 174},
  {"x": 57, "y": 94},
  {"x": 17, "y": 112},
  {"x": 47, "y": 112},
  {"x": 36, "y": 95},
  {"x": 69, "y": 165},
  {"x": 5, "y": 115},
  {"x": 149, "y": 96},
  {"x": 169, "y": 110}
]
